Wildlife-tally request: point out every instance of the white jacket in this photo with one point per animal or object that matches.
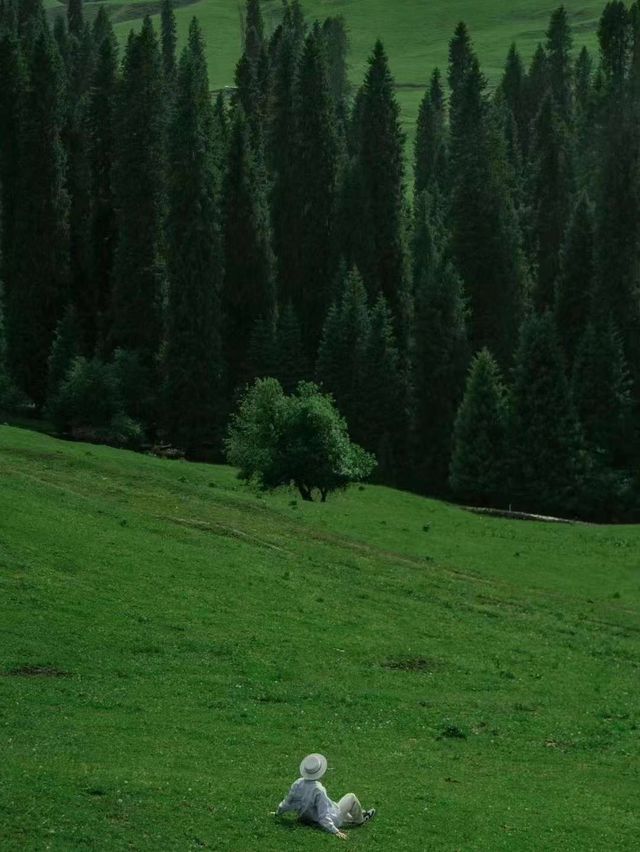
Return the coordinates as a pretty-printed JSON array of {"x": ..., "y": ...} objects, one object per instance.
[{"x": 312, "y": 804}]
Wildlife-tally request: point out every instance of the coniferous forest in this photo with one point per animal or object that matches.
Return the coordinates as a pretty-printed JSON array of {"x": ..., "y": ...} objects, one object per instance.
[{"x": 475, "y": 313}]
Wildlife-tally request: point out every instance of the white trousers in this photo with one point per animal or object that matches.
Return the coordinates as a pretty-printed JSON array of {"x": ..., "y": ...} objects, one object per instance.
[{"x": 351, "y": 810}]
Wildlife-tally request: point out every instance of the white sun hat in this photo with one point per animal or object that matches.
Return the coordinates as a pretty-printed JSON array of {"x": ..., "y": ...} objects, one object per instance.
[{"x": 313, "y": 767}]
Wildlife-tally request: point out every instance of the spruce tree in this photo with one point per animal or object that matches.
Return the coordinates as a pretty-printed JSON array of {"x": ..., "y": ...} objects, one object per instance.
[
  {"x": 253, "y": 32},
  {"x": 537, "y": 87},
  {"x": 37, "y": 286},
  {"x": 441, "y": 354},
  {"x": 139, "y": 274},
  {"x": 65, "y": 348},
  {"x": 336, "y": 40},
  {"x": 546, "y": 444},
  {"x": 559, "y": 44},
  {"x": 385, "y": 394},
  {"x": 585, "y": 141},
  {"x": 552, "y": 180},
  {"x": 102, "y": 143},
  {"x": 169, "y": 40},
  {"x": 343, "y": 353},
  {"x": 461, "y": 58},
  {"x": 12, "y": 94},
  {"x": 380, "y": 254},
  {"x": 316, "y": 200},
  {"x": 281, "y": 156},
  {"x": 513, "y": 90},
  {"x": 249, "y": 284},
  {"x": 486, "y": 238},
  {"x": 430, "y": 149},
  {"x": 194, "y": 410},
  {"x": 574, "y": 291},
  {"x": 602, "y": 394},
  {"x": 80, "y": 62},
  {"x": 290, "y": 356},
  {"x": 478, "y": 462}
]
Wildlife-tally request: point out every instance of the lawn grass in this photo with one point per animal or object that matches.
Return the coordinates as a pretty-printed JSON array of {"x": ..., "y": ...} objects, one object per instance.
[
  {"x": 476, "y": 679},
  {"x": 416, "y": 34}
]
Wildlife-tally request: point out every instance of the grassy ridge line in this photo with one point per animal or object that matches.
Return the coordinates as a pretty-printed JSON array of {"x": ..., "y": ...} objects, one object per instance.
[
  {"x": 416, "y": 34},
  {"x": 212, "y": 638}
]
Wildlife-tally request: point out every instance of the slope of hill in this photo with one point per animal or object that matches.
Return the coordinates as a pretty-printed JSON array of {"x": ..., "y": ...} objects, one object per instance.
[
  {"x": 416, "y": 33},
  {"x": 172, "y": 643}
]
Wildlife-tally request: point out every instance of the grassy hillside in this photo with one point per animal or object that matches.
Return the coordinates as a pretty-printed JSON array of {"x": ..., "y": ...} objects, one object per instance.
[
  {"x": 171, "y": 644},
  {"x": 416, "y": 33}
]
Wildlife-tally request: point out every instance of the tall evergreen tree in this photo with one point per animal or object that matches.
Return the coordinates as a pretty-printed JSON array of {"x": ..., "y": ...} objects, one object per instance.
[
  {"x": 101, "y": 144},
  {"x": 513, "y": 90},
  {"x": 618, "y": 200},
  {"x": 461, "y": 58},
  {"x": 254, "y": 32},
  {"x": 537, "y": 87},
  {"x": 193, "y": 353},
  {"x": 12, "y": 94},
  {"x": 343, "y": 353},
  {"x": 37, "y": 287},
  {"x": 140, "y": 199},
  {"x": 249, "y": 288},
  {"x": 281, "y": 157},
  {"x": 602, "y": 394},
  {"x": 169, "y": 40},
  {"x": 574, "y": 292},
  {"x": 336, "y": 40},
  {"x": 430, "y": 149},
  {"x": 585, "y": 140},
  {"x": 551, "y": 194},
  {"x": 546, "y": 445},
  {"x": 75, "y": 18},
  {"x": 441, "y": 353},
  {"x": 478, "y": 463},
  {"x": 485, "y": 230},
  {"x": 291, "y": 364},
  {"x": 559, "y": 43},
  {"x": 380, "y": 254},
  {"x": 317, "y": 167},
  {"x": 385, "y": 394}
]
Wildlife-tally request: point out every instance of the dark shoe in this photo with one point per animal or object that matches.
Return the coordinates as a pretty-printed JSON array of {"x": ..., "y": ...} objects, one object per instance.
[{"x": 369, "y": 815}]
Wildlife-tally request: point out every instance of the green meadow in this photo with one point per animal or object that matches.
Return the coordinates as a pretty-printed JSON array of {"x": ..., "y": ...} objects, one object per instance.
[
  {"x": 416, "y": 33},
  {"x": 172, "y": 643}
]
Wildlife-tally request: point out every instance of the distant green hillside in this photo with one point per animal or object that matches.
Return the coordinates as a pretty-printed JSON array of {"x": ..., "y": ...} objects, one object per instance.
[
  {"x": 416, "y": 33},
  {"x": 171, "y": 644}
]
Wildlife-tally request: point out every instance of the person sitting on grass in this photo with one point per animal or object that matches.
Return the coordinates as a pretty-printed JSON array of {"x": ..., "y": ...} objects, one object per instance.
[{"x": 309, "y": 799}]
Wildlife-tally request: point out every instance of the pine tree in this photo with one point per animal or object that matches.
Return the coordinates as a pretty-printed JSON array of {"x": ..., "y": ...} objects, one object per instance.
[
  {"x": 546, "y": 445},
  {"x": 290, "y": 358},
  {"x": 618, "y": 199},
  {"x": 441, "y": 354},
  {"x": 559, "y": 44},
  {"x": 251, "y": 76},
  {"x": 586, "y": 153},
  {"x": 249, "y": 289},
  {"x": 140, "y": 198},
  {"x": 430, "y": 150},
  {"x": 37, "y": 287},
  {"x": 343, "y": 353},
  {"x": 336, "y": 40},
  {"x": 551, "y": 193},
  {"x": 12, "y": 93},
  {"x": 101, "y": 143},
  {"x": 513, "y": 90},
  {"x": 254, "y": 32},
  {"x": 80, "y": 66},
  {"x": 194, "y": 407},
  {"x": 478, "y": 463},
  {"x": 317, "y": 171},
  {"x": 380, "y": 254},
  {"x": 65, "y": 348},
  {"x": 169, "y": 40},
  {"x": 281, "y": 157},
  {"x": 574, "y": 292},
  {"x": 461, "y": 59},
  {"x": 602, "y": 393},
  {"x": 486, "y": 240},
  {"x": 537, "y": 87},
  {"x": 385, "y": 394},
  {"x": 75, "y": 18}
]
